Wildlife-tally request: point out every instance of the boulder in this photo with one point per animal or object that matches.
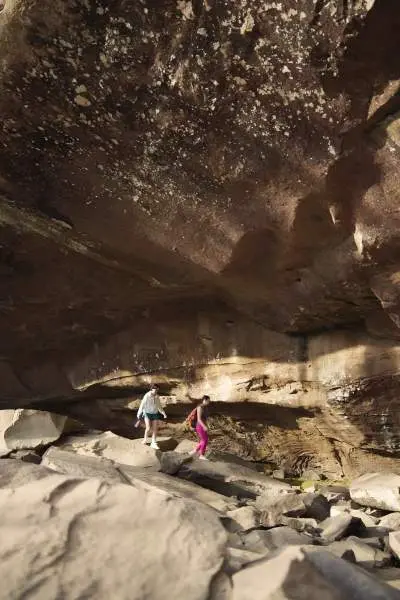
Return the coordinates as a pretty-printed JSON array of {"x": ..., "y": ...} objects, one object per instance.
[
  {"x": 79, "y": 465},
  {"x": 336, "y": 527},
  {"x": 15, "y": 473},
  {"x": 25, "y": 429},
  {"x": 317, "y": 506},
  {"x": 297, "y": 573},
  {"x": 379, "y": 490},
  {"x": 358, "y": 551},
  {"x": 278, "y": 474},
  {"x": 264, "y": 541},
  {"x": 147, "y": 479},
  {"x": 366, "y": 520},
  {"x": 117, "y": 448},
  {"x": 74, "y": 538},
  {"x": 300, "y": 524},
  {"x": 246, "y": 517},
  {"x": 171, "y": 462},
  {"x": 394, "y": 543},
  {"x": 391, "y": 521},
  {"x": 186, "y": 446},
  {"x": 27, "y": 456},
  {"x": 273, "y": 508},
  {"x": 231, "y": 479},
  {"x": 237, "y": 558}
]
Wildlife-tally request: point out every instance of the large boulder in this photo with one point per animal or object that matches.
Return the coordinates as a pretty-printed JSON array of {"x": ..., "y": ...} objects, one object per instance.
[
  {"x": 379, "y": 490},
  {"x": 54, "y": 542},
  {"x": 302, "y": 574},
  {"x": 117, "y": 448},
  {"x": 24, "y": 428},
  {"x": 82, "y": 465}
]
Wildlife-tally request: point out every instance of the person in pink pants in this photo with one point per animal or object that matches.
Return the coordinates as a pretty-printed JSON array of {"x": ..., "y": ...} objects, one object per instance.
[{"x": 201, "y": 428}]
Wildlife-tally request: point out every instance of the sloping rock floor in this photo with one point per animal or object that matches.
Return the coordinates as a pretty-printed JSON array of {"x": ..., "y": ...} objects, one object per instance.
[{"x": 102, "y": 516}]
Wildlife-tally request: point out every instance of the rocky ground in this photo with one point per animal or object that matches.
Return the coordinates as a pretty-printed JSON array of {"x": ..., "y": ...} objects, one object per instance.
[{"x": 97, "y": 515}]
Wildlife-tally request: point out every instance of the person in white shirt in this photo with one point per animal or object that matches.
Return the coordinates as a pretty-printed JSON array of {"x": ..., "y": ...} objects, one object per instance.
[{"x": 151, "y": 410}]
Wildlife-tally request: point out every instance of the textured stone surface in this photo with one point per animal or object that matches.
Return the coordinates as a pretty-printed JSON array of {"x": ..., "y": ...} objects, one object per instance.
[
  {"x": 336, "y": 527},
  {"x": 177, "y": 182},
  {"x": 23, "y": 429},
  {"x": 379, "y": 490},
  {"x": 231, "y": 479},
  {"x": 68, "y": 553},
  {"x": 117, "y": 448},
  {"x": 296, "y": 574},
  {"x": 246, "y": 517}
]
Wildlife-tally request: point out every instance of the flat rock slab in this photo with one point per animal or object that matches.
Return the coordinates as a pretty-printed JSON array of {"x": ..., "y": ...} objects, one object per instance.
[
  {"x": 295, "y": 573},
  {"x": 176, "y": 487},
  {"x": 231, "y": 479},
  {"x": 379, "y": 490},
  {"x": 68, "y": 538},
  {"x": 117, "y": 448},
  {"x": 80, "y": 465}
]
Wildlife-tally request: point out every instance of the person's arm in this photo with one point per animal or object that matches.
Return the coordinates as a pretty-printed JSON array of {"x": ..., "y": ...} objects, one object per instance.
[
  {"x": 141, "y": 407},
  {"x": 199, "y": 419},
  {"x": 159, "y": 407}
]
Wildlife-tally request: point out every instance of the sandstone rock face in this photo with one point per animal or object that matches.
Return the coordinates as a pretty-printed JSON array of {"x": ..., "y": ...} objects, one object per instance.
[
  {"x": 21, "y": 429},
  {"x": 66, "y": 555},
  {"x": 207, "y": 196}
]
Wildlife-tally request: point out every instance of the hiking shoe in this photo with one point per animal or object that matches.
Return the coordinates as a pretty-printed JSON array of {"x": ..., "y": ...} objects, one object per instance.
[
  {"x": 154, "y": 445},
  {"x": 145, "y": 442},
  {"x": 201, "y": 457}
]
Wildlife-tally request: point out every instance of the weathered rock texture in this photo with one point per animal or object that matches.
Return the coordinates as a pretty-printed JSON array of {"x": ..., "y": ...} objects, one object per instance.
[
  {"x": 21, "y": 429},
  {"x": 194, "y": 175},
  {"x": 68, "y": 556}
]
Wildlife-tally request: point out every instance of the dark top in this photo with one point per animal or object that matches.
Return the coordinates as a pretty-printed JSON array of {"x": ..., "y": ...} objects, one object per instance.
[{"x": 204, "y": 412}]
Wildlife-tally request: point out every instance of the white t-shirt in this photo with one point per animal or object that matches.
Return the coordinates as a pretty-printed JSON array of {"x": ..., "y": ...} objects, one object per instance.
[{"x": 151, "y": 404}]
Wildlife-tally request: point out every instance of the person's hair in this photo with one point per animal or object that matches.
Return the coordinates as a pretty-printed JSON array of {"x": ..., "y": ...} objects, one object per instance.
[
  {"x": 155, "y": 386},
  {"x": 206, "y": 398}
]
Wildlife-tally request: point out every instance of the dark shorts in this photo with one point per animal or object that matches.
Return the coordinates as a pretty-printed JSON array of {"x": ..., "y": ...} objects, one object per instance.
[{"x": 154, "y": 416}]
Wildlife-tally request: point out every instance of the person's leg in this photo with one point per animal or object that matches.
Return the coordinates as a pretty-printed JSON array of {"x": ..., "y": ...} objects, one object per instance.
[
  {"x": 198, "y": 429},
  {"x": 154, "y": 437},
  {"x": 203, "y": 440},
  {"x": 147, "y": 429}
]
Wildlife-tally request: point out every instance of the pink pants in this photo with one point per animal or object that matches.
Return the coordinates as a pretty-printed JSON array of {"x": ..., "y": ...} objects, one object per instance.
[{"x": 203, "y": 436}]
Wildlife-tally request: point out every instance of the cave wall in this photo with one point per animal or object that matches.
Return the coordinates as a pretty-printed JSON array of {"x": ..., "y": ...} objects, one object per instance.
[{"x": 206, "y": 194}]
